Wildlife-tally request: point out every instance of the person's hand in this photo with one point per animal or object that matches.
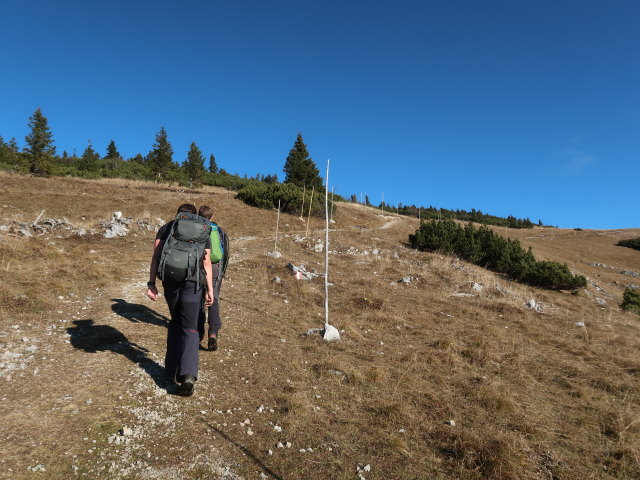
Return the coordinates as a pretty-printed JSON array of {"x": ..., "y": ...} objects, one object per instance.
[
  {"x": 209, "y": 298},
  {"x": 152, "y": 292}
]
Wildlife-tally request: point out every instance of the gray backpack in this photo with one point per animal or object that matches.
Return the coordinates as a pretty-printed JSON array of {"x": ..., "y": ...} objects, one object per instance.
[{"x": 182, "y": 253}]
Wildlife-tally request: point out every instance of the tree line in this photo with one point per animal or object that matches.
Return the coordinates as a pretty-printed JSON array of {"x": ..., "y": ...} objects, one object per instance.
[
  {"x": 433, "y": 213},
  {"x": 39, "y": 157}
]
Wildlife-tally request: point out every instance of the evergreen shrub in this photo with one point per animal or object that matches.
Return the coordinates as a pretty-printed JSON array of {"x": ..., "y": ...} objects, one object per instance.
[
  {"x": 631, "y": 300},
  {"x": 487, "y": 249},
  {"x": 632, "y": 243},
  {"x": 266, "y": 195}
]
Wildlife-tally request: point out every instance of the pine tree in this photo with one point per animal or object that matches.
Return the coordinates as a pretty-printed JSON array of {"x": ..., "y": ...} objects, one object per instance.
[
  {"x": 161, "y": 157},
  {"x": 300, "y": 168},
  {"x": 213, "y": 166},
  {"x": 194, "y": 165},
  {"x": 13, "y": 145},
  {"x": 112, "y": 151},
  {"x": 89, "y": 160},
  {"x": 40, "y": 149}
]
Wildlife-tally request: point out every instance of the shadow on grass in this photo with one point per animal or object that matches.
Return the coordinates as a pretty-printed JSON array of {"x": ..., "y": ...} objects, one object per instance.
[
  {"x": 103, "y": 338},
  {"x": 138, "y": 313},
  {"x": 246, "y": 451}
]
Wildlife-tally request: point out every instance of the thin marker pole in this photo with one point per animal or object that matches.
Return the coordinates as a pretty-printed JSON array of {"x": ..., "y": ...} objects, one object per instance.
[
  {"x": 331, "y": 203},
  {"x": 326, "y": 249},
  {"x": 309, "y": 217},
  {"x": 275, "y": 247},
  {"x": 304, "y": 190}
]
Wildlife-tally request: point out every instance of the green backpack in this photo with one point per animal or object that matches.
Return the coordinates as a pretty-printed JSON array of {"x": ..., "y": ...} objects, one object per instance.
[
  {"x": 219, "y": 248},
  {"x": 182, "y": 252}
]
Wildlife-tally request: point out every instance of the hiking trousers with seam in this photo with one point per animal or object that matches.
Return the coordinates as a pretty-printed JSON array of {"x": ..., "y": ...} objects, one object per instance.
[
  {"x": 184, "y": 300},
  {"x": 212, "y": 312}
]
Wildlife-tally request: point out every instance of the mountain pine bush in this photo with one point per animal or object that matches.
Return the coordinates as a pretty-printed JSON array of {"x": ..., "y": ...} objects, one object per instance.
[
  {"x": 632, "y": 243},
  {"x": 489, "y": 250},
  {"x": 266, "y": 195},
  {"x": 631, "y": 300}
]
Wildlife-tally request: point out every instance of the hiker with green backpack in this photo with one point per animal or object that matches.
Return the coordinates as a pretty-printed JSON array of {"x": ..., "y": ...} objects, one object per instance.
[
  {"x": 181, "y": 259},
  {"x": 219, "y": 259}
]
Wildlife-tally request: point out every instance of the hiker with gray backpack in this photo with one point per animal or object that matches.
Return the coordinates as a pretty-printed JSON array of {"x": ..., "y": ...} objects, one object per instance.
[
  {"x": 181, "y": 259},
  {"x": 219, "y": 261}
]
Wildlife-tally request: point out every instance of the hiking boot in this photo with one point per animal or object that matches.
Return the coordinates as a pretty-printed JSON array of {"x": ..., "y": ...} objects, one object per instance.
[
  {"x": 186, "y": 385},
  {"x": 213, "y": 343}
]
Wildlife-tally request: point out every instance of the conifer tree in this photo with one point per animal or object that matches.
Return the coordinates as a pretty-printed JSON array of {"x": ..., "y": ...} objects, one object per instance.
[
  {"x": 89, "y": 160},
  {"x": 40, "y": 149},
  {"x": 194, "y": 165},
  {"x": 213, "y": 166},
  {"x": 112, "y": 151},
  {"x": 161, "y": 157},
  {"x": 300, "y": 168}
]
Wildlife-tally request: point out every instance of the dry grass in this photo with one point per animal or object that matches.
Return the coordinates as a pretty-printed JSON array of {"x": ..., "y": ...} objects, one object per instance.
[{"x": 532, "y": 395}]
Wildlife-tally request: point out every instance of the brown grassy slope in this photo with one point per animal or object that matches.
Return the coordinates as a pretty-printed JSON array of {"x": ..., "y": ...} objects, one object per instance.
[{"x": 532, "y": 395}]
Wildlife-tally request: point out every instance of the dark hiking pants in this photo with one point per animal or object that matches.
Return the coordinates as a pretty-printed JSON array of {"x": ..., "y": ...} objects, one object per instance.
[
  {"x": 212, "y": 312},
  {"x": 184, "y": 301}
]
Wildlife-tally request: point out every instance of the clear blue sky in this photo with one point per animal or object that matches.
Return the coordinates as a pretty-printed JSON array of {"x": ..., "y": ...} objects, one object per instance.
[{"x": 521, "y": 107}]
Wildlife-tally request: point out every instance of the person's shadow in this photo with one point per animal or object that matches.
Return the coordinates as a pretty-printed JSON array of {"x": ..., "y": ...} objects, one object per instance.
[
  {"x": 138, "y": 313},
  {"x": 103, "y": 338}
]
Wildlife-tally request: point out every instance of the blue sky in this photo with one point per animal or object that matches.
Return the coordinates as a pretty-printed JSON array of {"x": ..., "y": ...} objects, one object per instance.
[{"x": 522, "y": 107}]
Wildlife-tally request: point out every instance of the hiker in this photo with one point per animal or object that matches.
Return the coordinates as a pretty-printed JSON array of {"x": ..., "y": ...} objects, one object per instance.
[
  {"x": 219, "y": 258},
  {"x": 181, "y": 259}
]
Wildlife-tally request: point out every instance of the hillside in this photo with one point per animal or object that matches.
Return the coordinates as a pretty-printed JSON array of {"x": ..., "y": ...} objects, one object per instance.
[{"x": 432, "y": 379}]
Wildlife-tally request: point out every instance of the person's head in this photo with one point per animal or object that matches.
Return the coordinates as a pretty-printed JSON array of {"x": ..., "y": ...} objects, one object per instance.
[
  {"x": 187, "y": 207},
  {"x": 206, "y": 212}
]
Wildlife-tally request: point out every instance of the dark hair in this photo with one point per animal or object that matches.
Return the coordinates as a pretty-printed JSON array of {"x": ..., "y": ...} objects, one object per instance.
[
  {"x": 206, "y": 212},
  {"x": 187, "y": 207}
]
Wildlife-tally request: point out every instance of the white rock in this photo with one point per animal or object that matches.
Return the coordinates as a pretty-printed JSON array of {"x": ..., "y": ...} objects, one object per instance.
[
  {"x": 477, "y": 287},
  {"x": 330, "y": 333},
  {"x": 367, "y": 468},
  {"x": 269, "y": 452},
  {"x": 277, "y": 280},
  {"x": 451, "y": 422},
  {"x": 601, "y": 301},
  {"x": 277, "y": 428},
  {"x": 288, "y": 444},
  {"x": 126, "y": 432},
  {"x": 580, "y": 324},
  {"x": 280, "y": 445},
  {"x": 275, "y": 254}
]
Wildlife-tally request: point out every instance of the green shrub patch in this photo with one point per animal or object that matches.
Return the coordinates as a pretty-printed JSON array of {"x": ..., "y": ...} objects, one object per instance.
[
  {"x": 631, "y": 300},
  {"x": 487, "y": 249}
]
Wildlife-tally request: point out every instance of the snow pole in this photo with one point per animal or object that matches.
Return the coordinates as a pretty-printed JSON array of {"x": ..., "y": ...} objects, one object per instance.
[
  {"x": 275, "y": 246},
  {"x": 330, "y": 332},
  {"x": 304, "y": 191},
  {"x": 310, "y": 205}
]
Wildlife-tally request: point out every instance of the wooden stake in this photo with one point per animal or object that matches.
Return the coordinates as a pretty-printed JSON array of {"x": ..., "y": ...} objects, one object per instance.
[
  {"x": 326, "y": 249},
  {"x": 310, "y": 205},
  {"x": 275, "y": 246},
  {"x": 331, "y": 218},
  {"x": 304, "y": 190}
]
